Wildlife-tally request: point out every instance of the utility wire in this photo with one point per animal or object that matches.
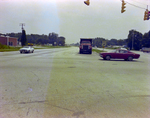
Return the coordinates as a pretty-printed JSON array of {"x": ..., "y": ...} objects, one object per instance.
[
  {"x": 134, "y": 5},
  {"x": 139, "y": 2}
]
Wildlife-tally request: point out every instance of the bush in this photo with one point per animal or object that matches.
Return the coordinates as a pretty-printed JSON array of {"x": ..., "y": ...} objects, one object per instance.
[{"x": 4, "y": 46}]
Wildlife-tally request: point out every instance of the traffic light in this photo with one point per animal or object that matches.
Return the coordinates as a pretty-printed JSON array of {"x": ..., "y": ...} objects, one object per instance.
[
  {"x": 123, "y": 6},
  {"x": 146, "y": 15},
  {"x": 87, "y": 2}
]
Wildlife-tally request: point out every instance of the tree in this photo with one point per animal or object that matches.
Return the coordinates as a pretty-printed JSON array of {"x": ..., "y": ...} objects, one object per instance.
[
  {"x": 23, "y": 38},
  {"x": 112, "y": 42},
  {"x": 61, "y": 41},
  {"x": 53, "y": 38},
  {"x": 121, "y": 42},
  {"x": 146, "y": 40},
  {"x": 98, "y": 42},
  {"x": 134, "y": 40}
]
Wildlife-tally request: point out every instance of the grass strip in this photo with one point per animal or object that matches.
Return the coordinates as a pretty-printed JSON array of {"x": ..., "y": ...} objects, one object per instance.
[{"x": 98, "y": 51}]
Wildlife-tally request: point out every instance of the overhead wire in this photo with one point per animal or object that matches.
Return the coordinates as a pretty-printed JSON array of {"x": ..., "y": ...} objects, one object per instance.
[
  {"x": 138, "y": 2},
  {"x": 135, "y": 5}
]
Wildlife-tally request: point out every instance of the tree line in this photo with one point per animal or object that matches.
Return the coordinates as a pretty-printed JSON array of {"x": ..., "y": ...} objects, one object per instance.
[
  {"x": 135, "y": 40},
  {"x": 52, "y": 38}
]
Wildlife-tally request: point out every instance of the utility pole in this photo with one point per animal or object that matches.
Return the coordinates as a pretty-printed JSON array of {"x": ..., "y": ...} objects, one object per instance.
[
  {"x": 22, "y": 24},
  {"x": 132, "y": 39}
]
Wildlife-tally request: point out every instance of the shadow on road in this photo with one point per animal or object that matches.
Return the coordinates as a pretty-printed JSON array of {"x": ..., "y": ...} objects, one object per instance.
[{"x": 121, "y": 60}]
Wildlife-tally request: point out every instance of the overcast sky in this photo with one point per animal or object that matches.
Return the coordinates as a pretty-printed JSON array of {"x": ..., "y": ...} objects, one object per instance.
[{"x": 73, "y": 19}]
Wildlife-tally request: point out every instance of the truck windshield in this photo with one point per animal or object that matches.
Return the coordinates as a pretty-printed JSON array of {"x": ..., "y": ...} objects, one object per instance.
[{"x": 86, "y": 42}]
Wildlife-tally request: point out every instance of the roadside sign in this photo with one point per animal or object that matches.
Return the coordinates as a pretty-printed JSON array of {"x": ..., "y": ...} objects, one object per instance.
[{"x": 103, "y": 43}]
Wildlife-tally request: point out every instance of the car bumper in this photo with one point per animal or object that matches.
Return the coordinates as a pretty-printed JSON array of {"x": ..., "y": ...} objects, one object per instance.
[
  {"x": 101, "y": 55},
  {"x": 25, "y": 51}
]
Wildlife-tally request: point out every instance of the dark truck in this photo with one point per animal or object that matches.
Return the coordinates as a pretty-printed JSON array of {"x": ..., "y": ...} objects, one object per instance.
[{"x": 85, "y": 46}]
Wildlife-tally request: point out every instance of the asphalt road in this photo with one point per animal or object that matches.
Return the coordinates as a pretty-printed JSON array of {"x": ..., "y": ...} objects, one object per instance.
[{"x": 60, "y": 83}]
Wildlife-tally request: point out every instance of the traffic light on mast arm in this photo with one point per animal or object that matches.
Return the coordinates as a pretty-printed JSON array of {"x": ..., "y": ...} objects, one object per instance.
[
  {"x": 146, "y": 15},
  {"x": 87, "y": 2},
  {"x": 123, "y": 6}
]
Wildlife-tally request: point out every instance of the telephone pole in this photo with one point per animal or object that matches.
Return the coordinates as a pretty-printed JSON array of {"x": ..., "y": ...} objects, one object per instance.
[{"x": 22, "y": 24}]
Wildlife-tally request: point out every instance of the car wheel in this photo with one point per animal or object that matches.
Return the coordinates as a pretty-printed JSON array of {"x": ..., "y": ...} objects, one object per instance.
[
  {"x": 32, "y": 51},
  {"x": 107, "y": 57},
  {"x": 130, "y": 58},
  {"x": 20, "y": 51}
]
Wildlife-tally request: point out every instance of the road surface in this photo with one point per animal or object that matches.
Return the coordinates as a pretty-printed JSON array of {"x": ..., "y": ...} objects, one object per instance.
[{"x": 60, "y": 83}]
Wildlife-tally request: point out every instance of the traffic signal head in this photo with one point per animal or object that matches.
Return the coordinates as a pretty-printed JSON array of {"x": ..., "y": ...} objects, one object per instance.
[
  {"x": 146, "y": 15},
  {"x": 123, "y": 6},
  {"x": 87, "y": 2}
]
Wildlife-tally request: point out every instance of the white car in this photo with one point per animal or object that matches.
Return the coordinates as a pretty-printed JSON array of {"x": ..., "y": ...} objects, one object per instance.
[{"x": 27, "y": 49}]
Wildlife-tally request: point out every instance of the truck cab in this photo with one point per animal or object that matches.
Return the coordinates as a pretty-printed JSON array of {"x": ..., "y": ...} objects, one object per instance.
[{"x": 85, "y": 46}]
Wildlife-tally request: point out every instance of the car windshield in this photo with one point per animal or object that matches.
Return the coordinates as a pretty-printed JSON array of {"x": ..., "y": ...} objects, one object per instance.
[
  {"x": 113, "y": 51},
  {"x": 85, "y": 42},
  {"x": 26, "y": 47}
]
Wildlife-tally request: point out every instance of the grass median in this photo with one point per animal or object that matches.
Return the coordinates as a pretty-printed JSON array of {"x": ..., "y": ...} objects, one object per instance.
[
  {"x": 5, "y": 48},
  {"x": 98, "y": 51}
]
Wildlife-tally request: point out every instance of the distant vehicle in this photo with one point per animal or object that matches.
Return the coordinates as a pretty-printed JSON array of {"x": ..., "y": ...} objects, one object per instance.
[
  {"x": 85, "y": 46},
  {"x": 144, "y": 49},
  {"x": 119, "y": 54},
  {"x": 27, "y": 49}
]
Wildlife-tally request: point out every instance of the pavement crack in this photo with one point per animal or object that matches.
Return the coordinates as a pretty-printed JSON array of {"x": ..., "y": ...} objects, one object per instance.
[
  {"x": 32, "y": 102},
  {"x": 28, "y": 112}
]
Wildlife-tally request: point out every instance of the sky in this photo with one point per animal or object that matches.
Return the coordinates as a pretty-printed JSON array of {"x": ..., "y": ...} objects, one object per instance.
[{"x": 73, "y": 19}]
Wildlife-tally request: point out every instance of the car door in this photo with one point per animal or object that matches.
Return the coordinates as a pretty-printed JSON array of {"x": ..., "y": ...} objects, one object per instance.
[
  {"x": 116, "y": 54},
  {"x": 30, "y": 49},
  {"x": 123, "y": 54}
]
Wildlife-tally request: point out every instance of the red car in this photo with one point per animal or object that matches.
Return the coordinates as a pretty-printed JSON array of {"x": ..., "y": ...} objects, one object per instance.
[{"x": 119, "y": 54}]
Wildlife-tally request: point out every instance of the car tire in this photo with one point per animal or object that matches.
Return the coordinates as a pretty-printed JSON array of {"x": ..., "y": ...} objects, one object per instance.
[
  {"x": 107, "y": 57},
  {"x": 20, "y": 51},
  {"x": 130, "y": 58},
  {"x": 32, "y": 51}
]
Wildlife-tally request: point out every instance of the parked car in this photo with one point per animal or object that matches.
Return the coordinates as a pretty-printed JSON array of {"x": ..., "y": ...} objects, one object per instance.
[
  {"x": 119, "y": 54},
  {"x": 144, "y": 49},
  {"x": 27, "y": 49}
]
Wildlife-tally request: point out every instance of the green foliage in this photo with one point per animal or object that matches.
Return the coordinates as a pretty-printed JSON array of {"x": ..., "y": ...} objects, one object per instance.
[
  {"x": 23, "y": 38},
  {"x": 61, "y": 41},
  {"x": 98, "y": 51},
  {"x": 99, "y": 41},
  {"x": 139, "y": 40},
  {"x": 146, "y": 40},
  {"x": 37, "y": 39},
  {"x": 135, "y": 40},
  {"x": 4, "y": 46}
]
